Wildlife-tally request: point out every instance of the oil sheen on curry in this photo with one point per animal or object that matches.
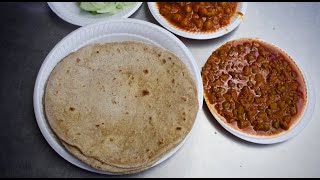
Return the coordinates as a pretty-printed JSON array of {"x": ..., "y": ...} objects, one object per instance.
[
  {"x": 254, "y": 87},
  {"x": 198, "y": 16}
]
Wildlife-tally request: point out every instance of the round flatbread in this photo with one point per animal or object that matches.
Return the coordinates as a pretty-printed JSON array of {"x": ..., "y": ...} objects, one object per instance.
[{"x": 124, "y": 103}]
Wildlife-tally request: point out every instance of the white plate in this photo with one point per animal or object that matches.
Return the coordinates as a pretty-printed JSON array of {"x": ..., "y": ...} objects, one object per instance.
[
  {"x": 71, "y": 12},
  {"x": 113, "y": 30},
  {"x": 235, "y": 21},
  {"x": 296, "y": 128}
]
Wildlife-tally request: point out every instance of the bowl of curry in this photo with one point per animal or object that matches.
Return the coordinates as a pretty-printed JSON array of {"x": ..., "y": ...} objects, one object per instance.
[
  {"x": 255, "y": 90},
  {"x": 199, "y": 20}
]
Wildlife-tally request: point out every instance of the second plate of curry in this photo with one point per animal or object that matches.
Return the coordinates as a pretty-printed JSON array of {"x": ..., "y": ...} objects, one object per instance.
[
  {"x": 199, "y": 20},
  {"x": 257, "y": 91}
]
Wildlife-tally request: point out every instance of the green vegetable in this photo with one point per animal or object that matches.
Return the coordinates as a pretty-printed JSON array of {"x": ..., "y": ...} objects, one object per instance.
[{"x": 103, "y": 7}]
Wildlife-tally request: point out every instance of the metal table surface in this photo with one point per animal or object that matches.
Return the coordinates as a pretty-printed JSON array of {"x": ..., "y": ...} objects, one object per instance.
[{"x": 30, "y": 30}]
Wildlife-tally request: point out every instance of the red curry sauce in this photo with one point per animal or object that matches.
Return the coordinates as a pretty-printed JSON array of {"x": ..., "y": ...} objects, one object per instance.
[
  {"x": 198, "y": 16},
  {"x": 254, "y": 86}
]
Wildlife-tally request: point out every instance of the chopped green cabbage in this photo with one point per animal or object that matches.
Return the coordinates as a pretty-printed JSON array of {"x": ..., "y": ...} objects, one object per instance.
[{"x": 103, "y": 7}]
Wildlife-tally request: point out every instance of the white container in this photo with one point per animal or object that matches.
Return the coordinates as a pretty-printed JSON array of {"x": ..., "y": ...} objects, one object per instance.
[{"x": 71, "y": 12}]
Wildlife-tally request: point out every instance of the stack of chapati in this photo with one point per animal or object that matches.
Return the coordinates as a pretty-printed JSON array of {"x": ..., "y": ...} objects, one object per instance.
[{"x": 120, "y": 106}]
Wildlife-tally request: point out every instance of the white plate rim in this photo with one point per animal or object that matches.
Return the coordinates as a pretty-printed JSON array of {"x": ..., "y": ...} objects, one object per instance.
[
  {"x": 198, "y": 35},
  {"x": 71, "y": 20},
  {"x": 38, "y": 88},
  {"x": 297, "y": 127}
]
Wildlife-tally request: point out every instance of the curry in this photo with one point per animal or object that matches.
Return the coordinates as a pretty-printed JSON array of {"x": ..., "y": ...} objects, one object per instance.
[
  {"x": 198, "y": 16},
  {"x": 254, "y": 86}
]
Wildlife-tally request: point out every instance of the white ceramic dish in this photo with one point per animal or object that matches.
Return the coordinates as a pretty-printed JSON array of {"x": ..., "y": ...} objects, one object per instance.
[
  {"x": 235, "y": 21},
  {"x": 70, "y": 12},
  {"x": 113, "y": 30},
  {"x": 296, "y": 128}
]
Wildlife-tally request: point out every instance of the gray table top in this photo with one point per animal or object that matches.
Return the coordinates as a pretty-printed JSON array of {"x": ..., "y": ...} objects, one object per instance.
[{"x": 30, "y": 30}]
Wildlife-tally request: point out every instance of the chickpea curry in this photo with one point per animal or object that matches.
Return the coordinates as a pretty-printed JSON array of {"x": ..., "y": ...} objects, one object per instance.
[
  {"x": 254, "y": 87},
  {"x": 198, "y": 16}
]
